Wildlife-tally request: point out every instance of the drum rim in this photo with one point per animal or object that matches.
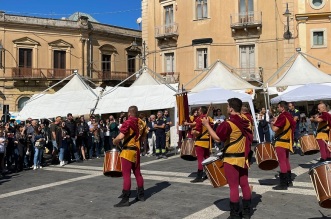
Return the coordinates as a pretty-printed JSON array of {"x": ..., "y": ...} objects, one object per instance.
[
  {"x": 113, "y": 150},
  {"x": 210, "y": 161},
  {"x": 318, "y": 165}
]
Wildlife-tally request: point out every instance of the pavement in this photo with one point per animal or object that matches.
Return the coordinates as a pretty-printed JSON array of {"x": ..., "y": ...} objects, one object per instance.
[{"x": 80, "y": 190}]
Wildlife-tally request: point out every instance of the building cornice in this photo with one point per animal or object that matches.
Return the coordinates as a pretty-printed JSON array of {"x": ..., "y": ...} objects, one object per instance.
[{"x": 313, "y": 16}]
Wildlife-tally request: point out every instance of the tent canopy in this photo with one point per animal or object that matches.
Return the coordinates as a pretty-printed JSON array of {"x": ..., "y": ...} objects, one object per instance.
[
  {"x": 220, "y": 77},
  {"x": 145, "y": 79},
  {"x": 300, "y": 73},
  {"x": 309, "y": 92},
  {"x": 75, "y": 97},
  {"x": 149, "y": 97}
]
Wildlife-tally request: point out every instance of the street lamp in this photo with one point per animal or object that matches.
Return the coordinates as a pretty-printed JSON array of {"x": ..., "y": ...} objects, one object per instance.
[{"x": 287, "y": 14}]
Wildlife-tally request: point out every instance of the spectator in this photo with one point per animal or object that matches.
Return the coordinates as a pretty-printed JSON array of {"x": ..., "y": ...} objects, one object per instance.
[
  {"x": 168, "y": 123},
  {"x": 81, "y": 133},
  {"x": 113, "y": 130},
  {"x": 2, "y": 150},
  {"x": 55, "y": 130},
  {"x": 219, "y": 117},
  {"x": 38, "y": 140},
  {"x": 106, "y": 136},
  {"x": 304, "y": 125},
  {"x": 71, "y": 127},
  {"x": 263, "y": 126},
  {"x": 160, "y": 136},
  {"x": 151, "y": 135},
  {"x": 20, "y": 145},
  {"x": 296, "y": 116},
  {"x": 102, "y": 130},
  {"x": 63, "y": 138}
]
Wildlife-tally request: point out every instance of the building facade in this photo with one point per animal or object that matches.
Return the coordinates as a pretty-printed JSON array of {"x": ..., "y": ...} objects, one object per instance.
[
  {"x": 252, "y": 37},
  {"x": 37, "y": 53}
]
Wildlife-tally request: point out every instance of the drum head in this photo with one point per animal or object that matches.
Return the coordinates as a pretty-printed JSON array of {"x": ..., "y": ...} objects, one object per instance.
[
  {"x": 188, "y": 157},
  {"x": 113, "y": 174},
  {"x": 209, "y": 160},
  {"x": 318, "y": 165},
  {"x": 268, "y": 164}
]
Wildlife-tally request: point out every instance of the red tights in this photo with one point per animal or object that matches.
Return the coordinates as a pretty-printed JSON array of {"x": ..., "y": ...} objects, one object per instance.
[
  {"x": 237, "y": 176},
  {"x": 202, "y": 153},
  {"x": 127, "y": 166},
  {"x": 325, "y": 153},
  {"x": 283, "y": 159}
]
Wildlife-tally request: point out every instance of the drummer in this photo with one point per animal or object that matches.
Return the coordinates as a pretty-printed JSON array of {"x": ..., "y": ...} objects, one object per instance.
[
  {"x": 284, "y": 127},
  {"x": 131, "y": 131},
  {"x": 322, "y": 132},
  {"x": 238, "y": 136},
  {"x": 202, "y": 143}
]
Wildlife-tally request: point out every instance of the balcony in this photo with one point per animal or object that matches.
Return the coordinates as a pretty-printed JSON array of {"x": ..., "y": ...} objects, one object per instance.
[
  {"x": 249, "y": 74},
  {"x": 113, "y": 75},
  {"x": 170, "y": 77},
  {"x": 251, "y": 19},
  {"x": 167, "y": 31},
  {"x": 19, "y": 73}
]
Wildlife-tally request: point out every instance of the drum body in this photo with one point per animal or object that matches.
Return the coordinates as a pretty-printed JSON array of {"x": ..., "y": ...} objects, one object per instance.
[
  {"x": 320, "y": 176},
  {"x": 309, "y": 145},
  {"x": 266, "y": 157},
  {"x": 112, "y": 163},
  {"x": 187, "y": 151},
  {"x": 215, "y": 171}
]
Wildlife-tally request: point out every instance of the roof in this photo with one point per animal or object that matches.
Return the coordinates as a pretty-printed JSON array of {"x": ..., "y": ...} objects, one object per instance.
[
  {"x": 145, "y": 79},
  {"x": 76, "y": 15},
  {"x": 300, "y": 73},
  {"x": 220, "y": 77}
]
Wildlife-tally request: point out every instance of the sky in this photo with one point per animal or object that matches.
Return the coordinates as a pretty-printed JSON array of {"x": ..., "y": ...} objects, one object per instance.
[{"x": 113, "y": 12}]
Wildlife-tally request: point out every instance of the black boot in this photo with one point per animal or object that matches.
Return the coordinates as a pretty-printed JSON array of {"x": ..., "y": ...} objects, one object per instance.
[
  {"x": 198, "y": 178},
  {"x": 246, "y": 209},
  {"x": 234, "y": 211},
  {"x": 125, "y": 199},
  {"x": 282, "y": 182},
  {"x": 140, "y": 194},
  {"x": 289, "y": 179},
  {"x": 121, "y": 196}
]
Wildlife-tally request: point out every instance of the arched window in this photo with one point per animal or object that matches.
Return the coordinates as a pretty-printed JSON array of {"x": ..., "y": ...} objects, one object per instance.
[{"x": 21, "y": 102}]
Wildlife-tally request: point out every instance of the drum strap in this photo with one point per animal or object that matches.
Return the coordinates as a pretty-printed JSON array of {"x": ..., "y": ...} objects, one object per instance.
[
  {"x": 322, "y": 129},
  {"x": 234, "y": 154},
  {"x": 234, "y": 142},
  {"x": 284, "y": 140},
  {"x": 277, "y": 138},
  {"x": 201, "y": 135},
  {"x": 128, "y": 139},
  {"x": 132, "y": 148}
]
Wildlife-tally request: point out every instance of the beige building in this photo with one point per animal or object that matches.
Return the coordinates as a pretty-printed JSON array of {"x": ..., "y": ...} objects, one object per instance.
[
  {"x": 184, "y": 37},
  {"x": 37, "y": 53}
]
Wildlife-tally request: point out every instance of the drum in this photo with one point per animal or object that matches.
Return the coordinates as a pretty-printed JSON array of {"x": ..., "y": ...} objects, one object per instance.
[
  {"x": 266, "y": 157},
  {"x": 309, "y": 144},
  {"x": 320, "y": 176},
  {"x": 215, "y": 171},
  {"x": 112, "y": 163},
  {"x": 187, "y": 150}
]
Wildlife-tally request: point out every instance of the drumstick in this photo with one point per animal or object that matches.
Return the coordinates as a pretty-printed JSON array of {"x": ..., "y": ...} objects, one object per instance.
[{"x": 210, "y": 140}]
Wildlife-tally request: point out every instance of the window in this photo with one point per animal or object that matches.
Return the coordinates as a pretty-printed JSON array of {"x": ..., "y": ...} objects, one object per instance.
[
  {"x": 202, "y": 58},
  {"x": 59, "y": 59},
  {"x": 168, "y": 15},
  {"x": 25, "y": 58},
  {"x": 318, "y": 38},
  {"x": 106, "y": 63},
  {"x": 201, "y": 9},
  {"x": 247, "y": 61},
  {"x": 246, "y": 11},
  {"x": 169, "y": 62},
  {"x": 21, "y": 102},
  {"x": 317, "y": 4},
  {"x": 131, "y": 63}
]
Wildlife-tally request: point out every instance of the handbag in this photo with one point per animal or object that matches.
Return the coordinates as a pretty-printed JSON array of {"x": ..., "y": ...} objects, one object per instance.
[{"x": 39, "y": 144}]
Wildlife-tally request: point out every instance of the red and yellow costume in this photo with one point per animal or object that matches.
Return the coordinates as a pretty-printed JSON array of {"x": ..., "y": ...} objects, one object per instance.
[
  {"x": 237, "y": 135},
  {"x": 284, "y": 140},
  {"x": 322, "y": 135},
  {"x": 202, "y": 143},
  {"x": 133, "y": 129}
]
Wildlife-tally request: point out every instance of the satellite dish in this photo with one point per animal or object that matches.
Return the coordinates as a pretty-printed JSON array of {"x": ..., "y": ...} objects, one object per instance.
[{"x": 139, "y": 20}]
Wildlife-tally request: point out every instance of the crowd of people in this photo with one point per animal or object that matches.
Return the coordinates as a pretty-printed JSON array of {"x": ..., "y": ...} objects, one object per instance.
[{"x": 66, "y": 140}]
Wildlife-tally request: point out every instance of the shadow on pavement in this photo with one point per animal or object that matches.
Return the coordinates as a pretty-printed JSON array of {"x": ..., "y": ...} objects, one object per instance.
[
  {"x": 224, "y": 204},
  {"x": 322, "y": 216},
  {"x": 5, "y": 178},
  {"x": 307, "y": 166},
  {"x": 149, "y": 192}
]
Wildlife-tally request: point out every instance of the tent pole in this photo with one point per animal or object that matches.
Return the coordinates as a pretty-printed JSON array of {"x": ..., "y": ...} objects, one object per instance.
[
  {"x": 268, "y": 97},
  {"x": 316, "y": 58},
  {"x": 160, "y": 78}
]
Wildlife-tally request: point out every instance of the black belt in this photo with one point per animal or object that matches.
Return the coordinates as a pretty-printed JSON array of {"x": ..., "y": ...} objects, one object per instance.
[
  {"x": 133, "y": 148},
  {"x": 202, "y": 139},
  {"x": 234, "y": 154}
]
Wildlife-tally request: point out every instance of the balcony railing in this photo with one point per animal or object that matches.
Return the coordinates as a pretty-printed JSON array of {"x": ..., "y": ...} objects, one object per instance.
[
  {"x": 249, "y": 74},
  {"x": 114, "y": 75},
  {"x": 246, "y": 19},
  {"x": 35, "y": 73},
  {"x": 170, "y": 77},
  {"x": 169, "y": 30}
]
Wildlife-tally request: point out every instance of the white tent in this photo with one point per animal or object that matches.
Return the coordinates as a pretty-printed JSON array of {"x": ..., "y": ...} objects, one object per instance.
[
  {"x": 220, "y": 77},
  {"x": 300, "y": 73},
  {"x": 219, "y": 95},
  {"x": 75, "y": 97},
  {"x": 309, "y": 92},
  {"x": 145, "y": 79},
  {"x": 149, "y": 97}
]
